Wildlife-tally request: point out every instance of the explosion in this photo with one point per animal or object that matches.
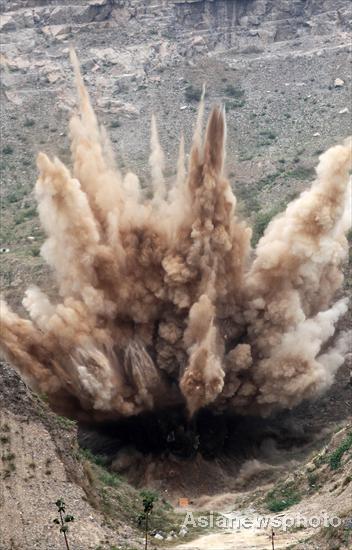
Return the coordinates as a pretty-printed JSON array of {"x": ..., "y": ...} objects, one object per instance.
[{"x": 162, "y": 301}]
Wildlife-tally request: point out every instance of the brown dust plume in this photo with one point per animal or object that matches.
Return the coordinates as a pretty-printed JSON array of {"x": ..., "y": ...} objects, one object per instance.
[{"x": 161, "y": 301}]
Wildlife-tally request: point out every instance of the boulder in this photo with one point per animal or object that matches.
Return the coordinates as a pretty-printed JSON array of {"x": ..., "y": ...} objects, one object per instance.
[{"x": 339, "y": 83}]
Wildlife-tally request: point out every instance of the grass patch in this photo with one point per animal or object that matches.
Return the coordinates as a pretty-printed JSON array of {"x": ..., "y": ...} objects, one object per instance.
[
  {"x": 121, "y": 502},
  {"x": 334, "y": 459},
  {"x": 109, "y": 479},
  {"x": 99, "y": 460},
  {"x": 283, "y": 497},
  {"x": 65, "y": 423}
]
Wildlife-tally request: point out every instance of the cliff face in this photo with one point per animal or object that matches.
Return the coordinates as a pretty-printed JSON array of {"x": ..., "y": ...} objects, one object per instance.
[{"x": 227, "y": 23}]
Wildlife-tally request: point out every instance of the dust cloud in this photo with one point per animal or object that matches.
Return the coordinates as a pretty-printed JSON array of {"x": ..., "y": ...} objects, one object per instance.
[{"x": 161, "y": 301}]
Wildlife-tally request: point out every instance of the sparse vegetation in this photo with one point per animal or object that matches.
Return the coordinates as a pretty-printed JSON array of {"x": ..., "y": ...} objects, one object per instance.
[
  {"x": 232, "y": 91},
  {"x": 29, "y": 123},
  {"x": 7, "y": 150},
  {"x": 301, "y": 173},
  {"x": 109, "y": 479},
  {"x": 234, "y": 104},
  {"x": 9, "y": 464},
  {"x": 192, "y": 93},
  {"x": 269, "y": 134},
  {"x": 148, "y": 499},
  {"x": 65, "y": 423},
  {"x": 35, "y": 251},
  {"x": 313, "y": 481},
  {"x": 269, "y": 179},
  {"x": 261, "y": 222},
  {"x": 25, "y": 215},
  {"x": 115, "y": 123},
  {"x": 335, "y": 457},
  {"x": 282, "y": 497},
  {"x": 86, "y": 454}
]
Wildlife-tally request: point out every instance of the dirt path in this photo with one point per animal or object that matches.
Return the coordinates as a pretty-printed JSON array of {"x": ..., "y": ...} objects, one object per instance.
[{"x": 245, "y": 539}]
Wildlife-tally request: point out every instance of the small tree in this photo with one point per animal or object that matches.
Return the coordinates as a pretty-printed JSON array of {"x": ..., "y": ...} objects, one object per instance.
[
  {"x": 63, "y": 519},
  {"x": 148, "y": 499}
]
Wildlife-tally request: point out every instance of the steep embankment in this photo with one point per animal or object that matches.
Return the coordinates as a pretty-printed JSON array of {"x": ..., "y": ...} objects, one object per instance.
[{"x": 40, "y": 463}]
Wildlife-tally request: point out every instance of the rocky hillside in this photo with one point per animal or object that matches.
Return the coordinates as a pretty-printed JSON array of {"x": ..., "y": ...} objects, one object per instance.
[{"x": 281, "y": 68}]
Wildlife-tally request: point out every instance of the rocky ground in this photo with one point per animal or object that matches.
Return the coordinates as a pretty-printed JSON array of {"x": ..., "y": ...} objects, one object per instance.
[{"x": 283, "y": 71}]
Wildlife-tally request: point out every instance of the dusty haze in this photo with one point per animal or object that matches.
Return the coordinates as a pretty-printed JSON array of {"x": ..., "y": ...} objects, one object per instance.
[{"x": 162, "y": 301}]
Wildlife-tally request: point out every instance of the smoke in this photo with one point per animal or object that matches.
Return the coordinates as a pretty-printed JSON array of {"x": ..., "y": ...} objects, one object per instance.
[{"x": 161, "y": 301}]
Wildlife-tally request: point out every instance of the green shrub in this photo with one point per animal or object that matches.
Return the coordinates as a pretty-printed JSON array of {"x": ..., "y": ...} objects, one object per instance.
[
  {"x": 14, "y": 196},
  {"x": 7, "y": 150},
  {"x": 63, "y": 519},
  {"x": 35, "y": 251},
  {"x": 115, "y": 123},
  {"x": 99, "y": 460},
  {"x": 65, "y": 423},
  {"x": 109, "y": 479},
  {"x": 336, "y": 456},
  {"x": 29, "y": 123},
  {"x": 192, "y": 93},
  {"x": 25, "y": 215},
  {"x": 268, "y": 134},
  {"x": 282, "y": 497}
]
